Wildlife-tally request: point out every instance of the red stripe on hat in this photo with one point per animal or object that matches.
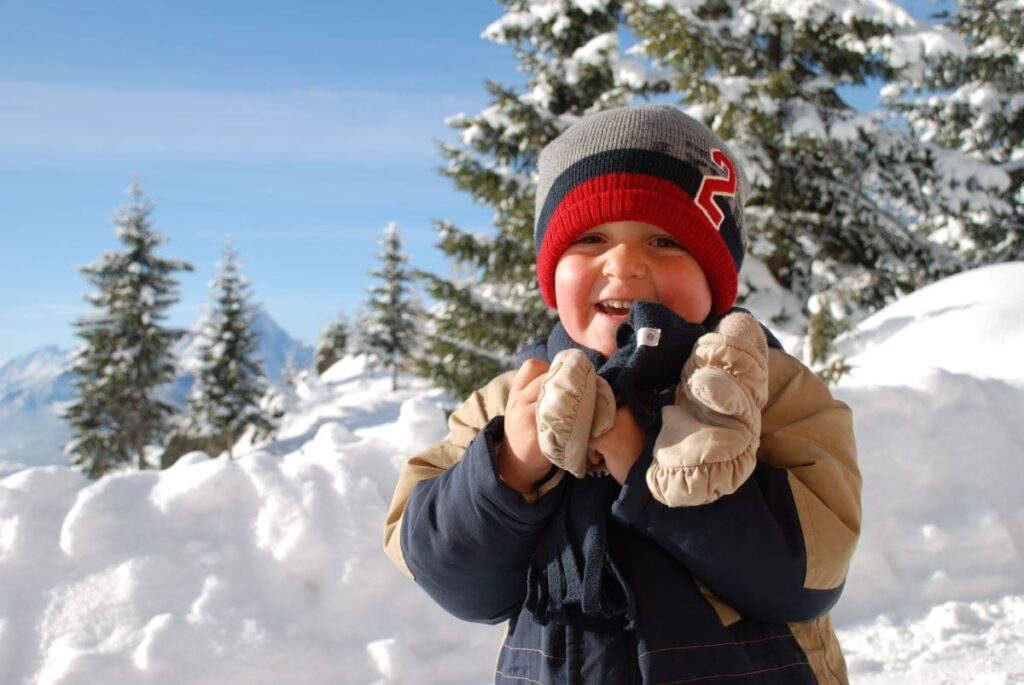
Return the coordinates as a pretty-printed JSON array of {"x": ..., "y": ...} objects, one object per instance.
[{"x": 647, "y": 199}]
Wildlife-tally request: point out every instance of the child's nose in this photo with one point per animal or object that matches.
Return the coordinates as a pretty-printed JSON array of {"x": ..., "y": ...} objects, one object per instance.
[{"x": 623, "y": 262}]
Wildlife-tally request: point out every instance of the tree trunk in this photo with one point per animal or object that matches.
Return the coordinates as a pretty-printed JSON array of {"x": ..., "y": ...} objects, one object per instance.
[{"x": 140, "y": 449}]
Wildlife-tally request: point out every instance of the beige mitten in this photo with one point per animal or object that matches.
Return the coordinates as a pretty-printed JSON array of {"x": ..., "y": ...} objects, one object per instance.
[
  {"x": 707, "y": 446},
  {"x": 574, "y": 405}
]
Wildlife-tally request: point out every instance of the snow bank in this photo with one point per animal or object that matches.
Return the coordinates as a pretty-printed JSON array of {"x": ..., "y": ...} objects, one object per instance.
[
  {"x": 937, "y": 390},
  {"x": 956, "y": 643},
  {"x": 270, "y": 569},
  {"x": 943, "y": 512},
  {"x": 969, "y": 324},
  {"x": 267, "y": 569}
]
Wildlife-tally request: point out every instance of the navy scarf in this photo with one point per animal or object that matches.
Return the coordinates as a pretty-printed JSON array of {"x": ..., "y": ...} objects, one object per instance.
[{"x": 573, "y": 576}]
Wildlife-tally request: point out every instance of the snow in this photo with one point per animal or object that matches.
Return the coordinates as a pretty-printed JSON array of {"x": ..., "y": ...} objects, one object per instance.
[
  {"x": 956, "y": 643},
  {"x": 270, "y": 569},
  {"x": 266, "y": 569},
  {"x": 534, "y": 11},
  {"x": 631, "y": 73},
  {"x": 595, "y": 51},
  {"x": 969, "y": 324}
]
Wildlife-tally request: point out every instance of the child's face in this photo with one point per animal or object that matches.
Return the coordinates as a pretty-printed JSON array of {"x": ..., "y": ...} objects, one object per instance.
[{"x": 610, "y": 266}]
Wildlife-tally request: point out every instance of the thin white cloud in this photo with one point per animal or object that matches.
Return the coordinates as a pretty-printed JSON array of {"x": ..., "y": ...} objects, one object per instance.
[{"x": 311, "y": 125}]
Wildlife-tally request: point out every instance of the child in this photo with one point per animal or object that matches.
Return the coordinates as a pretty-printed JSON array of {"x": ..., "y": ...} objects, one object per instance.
[{"x": 600, "y": 580}]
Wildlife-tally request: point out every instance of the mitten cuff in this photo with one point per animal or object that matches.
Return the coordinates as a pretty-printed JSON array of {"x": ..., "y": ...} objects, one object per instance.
[{"x": 696, "y": 462}]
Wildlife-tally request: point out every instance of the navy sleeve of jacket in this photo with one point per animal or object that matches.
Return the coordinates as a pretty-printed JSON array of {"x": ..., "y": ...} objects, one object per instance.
[
  {"x": 468, "y": 537},
  {"x": 748, "y": 547}
]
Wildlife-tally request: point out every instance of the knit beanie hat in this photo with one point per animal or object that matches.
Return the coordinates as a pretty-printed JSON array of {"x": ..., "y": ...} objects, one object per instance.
[{"x": 652, "y": 164}]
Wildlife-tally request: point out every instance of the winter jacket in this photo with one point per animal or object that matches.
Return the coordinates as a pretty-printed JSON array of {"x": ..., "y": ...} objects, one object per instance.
[{"x": 734, "y": 591}]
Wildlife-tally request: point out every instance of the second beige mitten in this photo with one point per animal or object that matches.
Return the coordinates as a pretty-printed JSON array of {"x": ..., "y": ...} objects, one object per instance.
[{"x": 707, "y": 446}]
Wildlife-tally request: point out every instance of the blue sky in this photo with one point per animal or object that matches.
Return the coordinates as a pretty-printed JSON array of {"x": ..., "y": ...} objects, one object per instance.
[{"x": 300, "y": 129}]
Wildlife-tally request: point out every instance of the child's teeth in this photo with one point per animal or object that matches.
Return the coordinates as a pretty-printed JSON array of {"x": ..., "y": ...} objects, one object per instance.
[{"x": 615, "y": 306}]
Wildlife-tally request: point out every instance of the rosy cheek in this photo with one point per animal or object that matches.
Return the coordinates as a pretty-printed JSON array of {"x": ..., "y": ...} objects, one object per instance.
[
  {"x": 570, "y": 280},
  {"x": 686, "y": 292},
  {"x": 572, "y": 289}
]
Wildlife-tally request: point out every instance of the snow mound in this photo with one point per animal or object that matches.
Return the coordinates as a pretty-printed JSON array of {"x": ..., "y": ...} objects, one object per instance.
[
  {"x": 265, "y": 569},
  {"x": 936, "y": 395},
  {"x": 967, "y": 324},
  {"x": 943, "y": 513},
  {"x": 956, "y": 643}
]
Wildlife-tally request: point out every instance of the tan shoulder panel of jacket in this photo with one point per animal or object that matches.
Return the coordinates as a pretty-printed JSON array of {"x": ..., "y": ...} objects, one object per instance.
[
  {"x": 463, "y": 425},
  {"x": 810, "y": 433}
]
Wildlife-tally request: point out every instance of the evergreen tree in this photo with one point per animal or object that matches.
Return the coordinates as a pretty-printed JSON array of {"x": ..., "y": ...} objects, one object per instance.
[
  {"x": 358, "y": 342},
  {"x": 229, "y": 387},
  {"x": 392, "y": 322},
  {"x": 126, "y": 355},
  {"x": 834, "y": 191},
  {"x": 291, "y": 372},
  {"x": 969, "y": 97},
  {"x": 332, "y": 345},
  {"x": 569, "y": 54}
]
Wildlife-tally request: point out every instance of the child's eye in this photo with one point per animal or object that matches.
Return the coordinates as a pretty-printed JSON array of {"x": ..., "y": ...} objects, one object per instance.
[
  {"x": 589, "y": 239},
  {"x": 665, "y": 241}
]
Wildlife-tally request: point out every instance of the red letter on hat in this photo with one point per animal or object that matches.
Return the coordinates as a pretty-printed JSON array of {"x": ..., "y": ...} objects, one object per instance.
[{"x": 716, "y": 185}]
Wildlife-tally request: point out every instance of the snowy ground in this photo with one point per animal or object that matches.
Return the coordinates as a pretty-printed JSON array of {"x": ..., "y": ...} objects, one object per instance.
[{"x": 269, "y": 569}]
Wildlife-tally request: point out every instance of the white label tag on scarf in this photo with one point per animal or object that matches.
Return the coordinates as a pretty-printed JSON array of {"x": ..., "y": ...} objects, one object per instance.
[{"x": 648, "y": 336}]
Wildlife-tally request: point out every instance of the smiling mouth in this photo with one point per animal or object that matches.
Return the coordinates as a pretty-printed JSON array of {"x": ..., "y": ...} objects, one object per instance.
[{"x": 614, "y": 307}]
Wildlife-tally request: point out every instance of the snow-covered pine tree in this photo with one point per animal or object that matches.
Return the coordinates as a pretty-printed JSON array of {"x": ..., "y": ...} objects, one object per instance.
[
  {"x": 332, "y": 345},
  {"x": 833, "y": 190},
  {"x": 970, "y": 98},
  {"x": 230, "y": 384},
  {"x": 290, "y": 373},
  {"x": 392, "y": 323},
  {"x": 357, "y": 343},
  {"x": 126, "y": 355},
  {"x": 568, "y": 52}
]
